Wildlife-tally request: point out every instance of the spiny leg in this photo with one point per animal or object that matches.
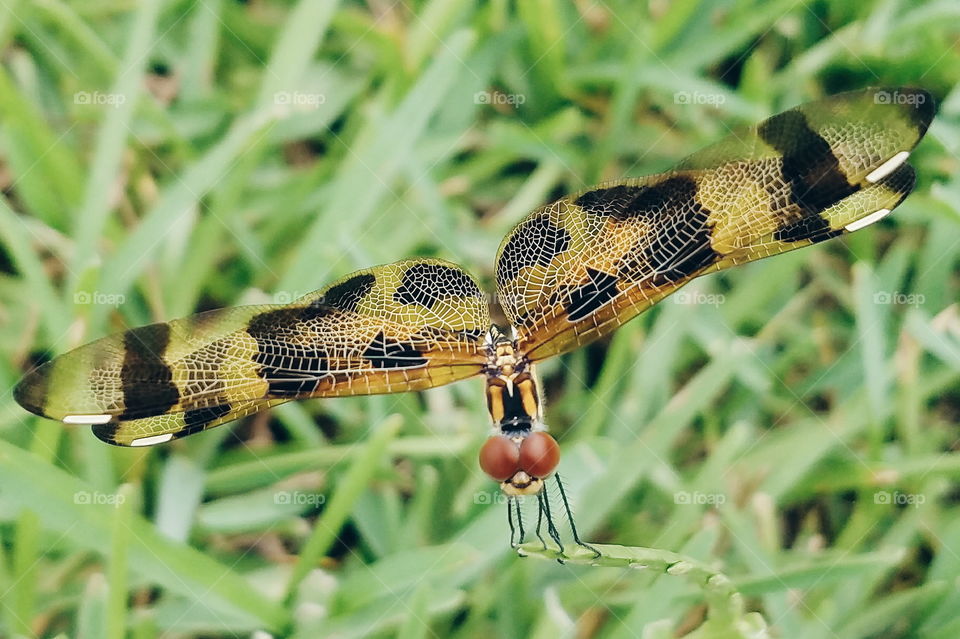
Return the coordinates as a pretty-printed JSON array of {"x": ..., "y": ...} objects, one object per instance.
[
  {"x": 510, "y": 500},
  {"x": 516, "y": 503},
  {"x": 539, "y": 525},
  {"x": 513, "y": 503},
  {"x": 573, "y": 526},
  {"x": 551, "y": 527}
]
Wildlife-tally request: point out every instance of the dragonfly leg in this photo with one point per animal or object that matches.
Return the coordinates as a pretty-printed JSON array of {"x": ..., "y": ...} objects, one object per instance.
[
  {"x": 551, "y": 527},
  {"x": 513, "y": 508},
  {"x": 523, "y": 535},
  {"x": 513, "y": 531},
  {"x": 573, "y": 526},
  {"x": 540, "y": 522}
]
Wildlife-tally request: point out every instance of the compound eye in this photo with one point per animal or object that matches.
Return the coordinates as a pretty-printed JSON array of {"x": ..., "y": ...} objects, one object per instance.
[
  {"x": 499, "y": 458},
  {"x": 539, "y": 454}
]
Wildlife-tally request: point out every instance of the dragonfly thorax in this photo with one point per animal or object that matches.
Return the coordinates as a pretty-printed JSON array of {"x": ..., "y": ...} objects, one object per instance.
[
  {"x": 512, "y": 396},
  {"x": 503, "y": 359}
]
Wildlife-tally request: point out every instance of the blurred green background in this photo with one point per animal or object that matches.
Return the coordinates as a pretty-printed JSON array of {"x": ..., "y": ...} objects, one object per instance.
[{"x": 793, "y": 421}]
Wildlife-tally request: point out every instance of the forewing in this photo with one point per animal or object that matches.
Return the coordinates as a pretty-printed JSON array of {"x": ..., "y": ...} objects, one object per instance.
[
  {"x": 578, "y": 268},
  {"x": 404, "y": 326}
]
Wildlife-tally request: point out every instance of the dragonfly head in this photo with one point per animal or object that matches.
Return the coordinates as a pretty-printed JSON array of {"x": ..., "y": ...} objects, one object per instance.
[{"x": 520, "y": 460}]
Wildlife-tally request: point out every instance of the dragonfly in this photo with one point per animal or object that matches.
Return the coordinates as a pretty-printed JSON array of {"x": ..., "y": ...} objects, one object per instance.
[{"x": 569, "y": 273}]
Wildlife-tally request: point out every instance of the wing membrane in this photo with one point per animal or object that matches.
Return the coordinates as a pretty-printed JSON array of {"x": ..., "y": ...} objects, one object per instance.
[
  {"x": 578, "y": 268},
  {"x": 404, "y": 326}
]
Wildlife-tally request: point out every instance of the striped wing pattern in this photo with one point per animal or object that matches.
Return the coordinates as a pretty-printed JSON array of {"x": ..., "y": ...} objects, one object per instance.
[
  {"x": 576, "y": 269},
  {"x": 409, "y": 325},
  {"x": 567, "y": 274}
]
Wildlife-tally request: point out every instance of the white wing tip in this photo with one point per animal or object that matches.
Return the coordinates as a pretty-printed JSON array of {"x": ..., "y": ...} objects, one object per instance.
[
  {"x": 87, "y": 420},
  {"x": 887, "y": 167},
  {"x": 876, "y": 216},
  {"x": 153, "y": 439}
]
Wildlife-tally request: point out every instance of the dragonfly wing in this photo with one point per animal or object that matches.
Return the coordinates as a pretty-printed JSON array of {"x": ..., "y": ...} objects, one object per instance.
[
  {"x": 404, "y": 326},
  {"x": 576, "y": 269}
]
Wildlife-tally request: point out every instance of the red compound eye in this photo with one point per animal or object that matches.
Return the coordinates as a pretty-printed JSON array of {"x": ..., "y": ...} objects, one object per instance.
[
  {"x": 499, "y": 458},
  {"x": 539, "y": 454}
]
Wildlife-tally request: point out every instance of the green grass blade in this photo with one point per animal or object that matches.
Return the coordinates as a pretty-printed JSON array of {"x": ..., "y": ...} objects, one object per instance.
[
  {"x": 57, "y": 499},
  {"x": 366, "y": 175},
  {"x": 110, "y": 143},
  {"x": 348, "y": 490}
]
